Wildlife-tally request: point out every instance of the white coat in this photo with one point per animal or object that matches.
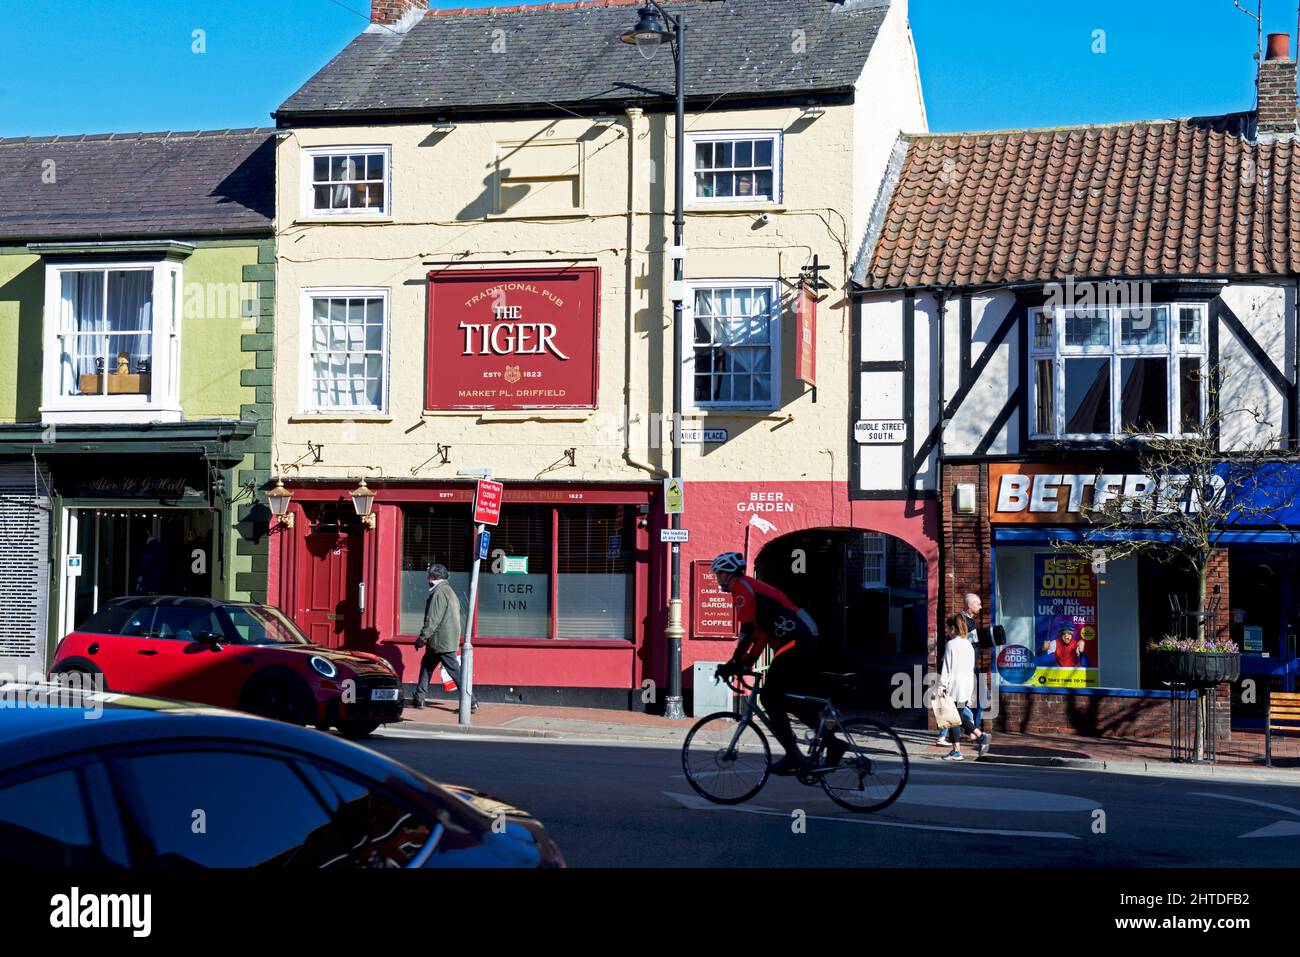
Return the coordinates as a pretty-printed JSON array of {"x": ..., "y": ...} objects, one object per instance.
[{"x": 957, "y": 677}]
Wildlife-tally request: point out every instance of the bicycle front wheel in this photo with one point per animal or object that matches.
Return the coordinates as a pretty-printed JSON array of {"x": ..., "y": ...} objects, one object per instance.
[
  {"x": 873, "y": 771},
  {"x": 724, "y": 760}
]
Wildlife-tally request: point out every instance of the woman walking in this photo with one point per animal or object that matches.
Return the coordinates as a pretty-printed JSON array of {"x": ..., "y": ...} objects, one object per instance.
[{"x": 957, "y": 678}]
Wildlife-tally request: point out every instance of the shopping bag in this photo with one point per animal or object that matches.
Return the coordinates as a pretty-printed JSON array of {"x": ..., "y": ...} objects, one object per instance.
[
  {"x": 447, "y": 683},
  {"x": 945, "y": 711}
]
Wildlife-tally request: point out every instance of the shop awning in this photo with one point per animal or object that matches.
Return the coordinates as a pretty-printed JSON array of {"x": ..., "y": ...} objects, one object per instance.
[{"x": 1045, "y": 536}]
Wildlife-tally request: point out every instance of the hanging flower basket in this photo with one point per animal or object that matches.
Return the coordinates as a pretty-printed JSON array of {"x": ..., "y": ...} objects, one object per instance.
[{"x": 1194, "y": 667}]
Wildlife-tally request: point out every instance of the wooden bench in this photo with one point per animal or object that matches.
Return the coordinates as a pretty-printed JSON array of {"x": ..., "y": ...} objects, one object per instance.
[{"x": 1283, "y": 717}]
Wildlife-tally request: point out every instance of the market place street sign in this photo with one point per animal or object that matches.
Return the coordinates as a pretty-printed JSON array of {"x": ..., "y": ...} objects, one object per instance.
[{"x": 512, "y": 339}]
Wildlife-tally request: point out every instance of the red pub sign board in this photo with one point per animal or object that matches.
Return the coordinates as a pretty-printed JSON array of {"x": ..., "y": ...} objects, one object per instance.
[
  {"x": 513, "y": 339},
  {"x": 715, "y": 610},
  {"x": 805, "y": 322}
]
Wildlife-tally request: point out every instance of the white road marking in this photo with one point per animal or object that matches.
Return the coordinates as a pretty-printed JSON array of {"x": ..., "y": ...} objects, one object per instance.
[
  {"x": 1232, "y": 797},
  {"x": 1276, "y": 829},
  {"x": 974, "y": 797},
  {"x": 694, "y": 803}
]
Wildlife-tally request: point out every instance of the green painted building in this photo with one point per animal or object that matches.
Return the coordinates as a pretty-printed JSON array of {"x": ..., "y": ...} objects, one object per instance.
[{"x": 136, "y": 317}]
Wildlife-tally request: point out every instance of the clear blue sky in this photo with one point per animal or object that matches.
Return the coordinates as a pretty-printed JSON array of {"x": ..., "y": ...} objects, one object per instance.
[{"x": 121, "y": 65}]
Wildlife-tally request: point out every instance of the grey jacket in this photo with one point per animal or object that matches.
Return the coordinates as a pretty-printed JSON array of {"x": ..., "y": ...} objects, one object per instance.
[{"x": 442, "y": 626}]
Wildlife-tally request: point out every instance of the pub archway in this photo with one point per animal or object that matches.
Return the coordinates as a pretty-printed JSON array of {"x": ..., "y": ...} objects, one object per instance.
[{"x": 867, "y": 591}]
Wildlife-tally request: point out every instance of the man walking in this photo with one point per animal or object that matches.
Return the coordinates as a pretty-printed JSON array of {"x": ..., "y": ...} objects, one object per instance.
[
  {"x": 441, "y": 633},
  {"x": 971, "y": 613}
]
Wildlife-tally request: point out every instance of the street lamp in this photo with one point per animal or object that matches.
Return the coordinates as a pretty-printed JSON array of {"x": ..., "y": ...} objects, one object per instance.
[
  {"x": 649, "y": 34},
  {"x": 278, "y": 500},
  {"x": 363, "y": 500}
]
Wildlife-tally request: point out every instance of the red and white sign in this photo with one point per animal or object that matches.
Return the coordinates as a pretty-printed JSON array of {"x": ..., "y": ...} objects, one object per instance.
[
  {"x": 805, "y": 334},
  {"x": 487, "y": 502},
  {"x": 715, "y": 611},
  {"x": 513, "y": 339}
]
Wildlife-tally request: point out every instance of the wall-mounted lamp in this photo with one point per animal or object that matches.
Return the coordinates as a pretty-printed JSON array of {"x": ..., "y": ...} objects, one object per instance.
[
  {"x": 966, "y": 498},
  {"x": 278, "y": 499},
  {"x": 363, "y": 500},
  {"x": 443, "y": 125},
  {"x": 812, "y": 111}
]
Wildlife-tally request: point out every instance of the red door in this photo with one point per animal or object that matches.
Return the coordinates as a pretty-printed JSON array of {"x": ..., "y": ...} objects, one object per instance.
[{"x": 331, "y": 582}]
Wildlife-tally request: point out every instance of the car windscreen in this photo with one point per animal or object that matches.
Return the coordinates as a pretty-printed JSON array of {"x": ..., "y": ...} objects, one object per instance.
[{"x": 260, "y": 625}]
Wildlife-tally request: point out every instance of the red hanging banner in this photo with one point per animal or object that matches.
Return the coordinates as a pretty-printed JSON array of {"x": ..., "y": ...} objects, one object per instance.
[{"x": 805, "y": 334}]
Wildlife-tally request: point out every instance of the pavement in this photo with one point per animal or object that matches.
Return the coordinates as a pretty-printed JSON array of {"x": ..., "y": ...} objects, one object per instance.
[{"x": 1129, "y": 756}]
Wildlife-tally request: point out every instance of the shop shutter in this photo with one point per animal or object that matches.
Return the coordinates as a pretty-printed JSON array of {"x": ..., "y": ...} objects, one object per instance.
[{"x": 24, "y": 568}]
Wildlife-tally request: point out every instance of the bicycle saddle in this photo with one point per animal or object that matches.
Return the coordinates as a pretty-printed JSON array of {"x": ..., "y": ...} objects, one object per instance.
[{"x": 842, "y": 679}]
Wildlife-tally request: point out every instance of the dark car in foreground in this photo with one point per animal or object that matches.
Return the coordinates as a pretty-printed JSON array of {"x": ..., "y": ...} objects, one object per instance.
[
  {"x": 103, "y": 780},
  {"x": 234, "y": 654}
]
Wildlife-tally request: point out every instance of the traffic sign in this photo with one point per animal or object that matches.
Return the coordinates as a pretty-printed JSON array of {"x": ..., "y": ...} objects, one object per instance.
[
  {"x": 487, "y": 502},
  {"x": 674, "y": 496},
  {"x": 483, "y": 544},
  {"x": 674, "y": 535}
]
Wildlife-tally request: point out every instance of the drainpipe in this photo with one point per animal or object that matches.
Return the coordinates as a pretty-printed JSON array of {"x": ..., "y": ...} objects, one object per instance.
[{"x": 635, "y": 116}]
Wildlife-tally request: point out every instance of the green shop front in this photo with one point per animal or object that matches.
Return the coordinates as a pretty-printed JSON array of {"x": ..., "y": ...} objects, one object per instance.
[{"x": 100, "y": 512}]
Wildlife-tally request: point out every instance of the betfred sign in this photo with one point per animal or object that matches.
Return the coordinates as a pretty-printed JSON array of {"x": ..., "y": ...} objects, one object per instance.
[
  {"x": 512, "y": 339},
  {"x": 1063, "y": 495},
  {"x": 487, "y": 503}
]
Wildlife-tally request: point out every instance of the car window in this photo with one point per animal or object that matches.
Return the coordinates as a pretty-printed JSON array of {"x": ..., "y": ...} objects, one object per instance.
[
  {"x": 113, "y": 618},
  {"x": 43, "y": 824},
  {"x": 383, "y": 832},
  {"x": 181, "y": 623},
  {"x": 227, "y": 809},
  {"x": 259, "y": 625}
]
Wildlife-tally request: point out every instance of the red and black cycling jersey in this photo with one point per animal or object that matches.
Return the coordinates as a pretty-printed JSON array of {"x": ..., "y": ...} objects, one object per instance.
[{"x": 767, "y": 619}]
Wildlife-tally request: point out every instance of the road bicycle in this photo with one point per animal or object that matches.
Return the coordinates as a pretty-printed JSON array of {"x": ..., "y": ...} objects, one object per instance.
[{"x": 727, "y": 759}]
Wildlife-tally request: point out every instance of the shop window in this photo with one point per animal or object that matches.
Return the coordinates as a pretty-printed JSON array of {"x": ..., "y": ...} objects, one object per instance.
[
  {"x": 596, "y": 565},
  {"x": 589, "y": 548},
  {"x": 733, "y": 358},
  {"x": 347, "y": 181},
  {"x": 742, "y": 167},
  {"x": 112, "y": 341},
  {"x": 1105, "y": 372},
  {"x": 346, "y": 366},
  {"x": 539, "y": 178}
]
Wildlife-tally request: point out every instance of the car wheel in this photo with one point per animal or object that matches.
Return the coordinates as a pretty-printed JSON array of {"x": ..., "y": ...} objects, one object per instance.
[
  {"x": 277, "y": 698},
  {"x": 358, "y": 729}
]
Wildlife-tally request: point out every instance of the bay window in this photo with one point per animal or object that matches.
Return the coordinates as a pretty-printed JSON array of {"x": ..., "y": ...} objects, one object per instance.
[
  {"x": 112, "y": 341},
  {"x": 1104, "y": 372}
]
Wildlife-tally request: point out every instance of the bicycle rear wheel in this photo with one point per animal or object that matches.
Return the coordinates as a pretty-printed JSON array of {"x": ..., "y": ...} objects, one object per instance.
[
  {"x": 873, "y": 771},
  {"x": 724, "y": 767}
]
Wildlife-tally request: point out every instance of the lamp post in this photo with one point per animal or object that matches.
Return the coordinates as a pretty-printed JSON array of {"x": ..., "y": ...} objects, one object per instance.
[{"x": 651, "y": 31}]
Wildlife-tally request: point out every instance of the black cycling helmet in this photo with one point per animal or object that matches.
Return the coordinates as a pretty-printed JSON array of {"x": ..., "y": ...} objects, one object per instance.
[{"x": 730, "y": 562}]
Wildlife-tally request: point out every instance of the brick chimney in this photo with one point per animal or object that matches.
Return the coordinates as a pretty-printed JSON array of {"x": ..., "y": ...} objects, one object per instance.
[
  {"x": 1277, "y": 87},
  {"x": 397, "y": 11}
]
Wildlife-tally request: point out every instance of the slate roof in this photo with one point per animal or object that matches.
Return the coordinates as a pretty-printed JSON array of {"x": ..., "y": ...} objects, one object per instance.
[
  {"x": 570, "y": 54},
  {"x": 1174, "y": 198},
  {"x": 120, "y": 185}
]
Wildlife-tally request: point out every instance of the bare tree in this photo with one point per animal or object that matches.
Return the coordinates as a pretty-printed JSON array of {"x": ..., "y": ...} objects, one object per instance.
[{"x": 1193, "y": 489}]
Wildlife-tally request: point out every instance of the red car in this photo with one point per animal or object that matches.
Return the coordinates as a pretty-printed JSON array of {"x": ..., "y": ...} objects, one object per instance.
[{"x": 231, "y": 654}]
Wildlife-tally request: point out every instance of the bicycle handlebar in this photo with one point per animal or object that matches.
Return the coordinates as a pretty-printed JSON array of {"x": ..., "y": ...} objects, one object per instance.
[{"x": 736, "y": 682}]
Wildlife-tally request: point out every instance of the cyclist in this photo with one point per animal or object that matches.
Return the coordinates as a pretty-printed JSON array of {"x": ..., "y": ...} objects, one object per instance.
[{"x": 768, "y": 619}]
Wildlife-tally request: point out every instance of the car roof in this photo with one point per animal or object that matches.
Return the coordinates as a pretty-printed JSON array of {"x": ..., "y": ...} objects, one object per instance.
[
  {"x": 188, "y": 601},
  {"x": 42, "y": 722}
]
